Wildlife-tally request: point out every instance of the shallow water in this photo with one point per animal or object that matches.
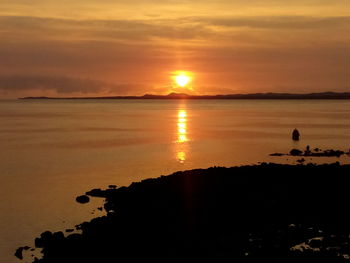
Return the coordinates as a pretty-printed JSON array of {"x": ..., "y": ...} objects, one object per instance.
[{"x": 54, "y": 150}]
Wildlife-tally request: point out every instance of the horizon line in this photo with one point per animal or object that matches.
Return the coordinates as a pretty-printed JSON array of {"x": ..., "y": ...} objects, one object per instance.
[{"x": 174, "y": 95}]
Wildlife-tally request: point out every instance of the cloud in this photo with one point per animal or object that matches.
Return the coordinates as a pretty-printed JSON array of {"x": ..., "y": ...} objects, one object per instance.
[
  {"x": 59, "y": 84},
  {"x": 101, "y": 30},
  {"x": 163, "y": 34},
  {"x": 278, "y": 22},
  {"x": 251, "y": 53},
  {"x": 63, "y": 85},
  {"x": 147, "y": 29}
]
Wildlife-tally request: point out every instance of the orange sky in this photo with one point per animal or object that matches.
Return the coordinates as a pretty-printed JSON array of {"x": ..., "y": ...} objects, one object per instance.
[{"x": 131, "y": 47}]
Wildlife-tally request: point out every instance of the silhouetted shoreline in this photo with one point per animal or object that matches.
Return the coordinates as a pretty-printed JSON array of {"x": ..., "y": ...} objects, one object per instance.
[
  {"x": 255, "y": 96},
  {"x": 266, "y": 212}
]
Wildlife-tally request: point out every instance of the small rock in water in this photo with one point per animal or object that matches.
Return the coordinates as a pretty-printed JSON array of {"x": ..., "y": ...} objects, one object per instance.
[
  {"x": 302, "y": 160},
  {"x": 295, "y": 135},
  {"x": 277, "y": 154},
  {"x": 295, "y": 152},
  {"x": 83, "y": 199},
  {"x": 19, "y": 252}
]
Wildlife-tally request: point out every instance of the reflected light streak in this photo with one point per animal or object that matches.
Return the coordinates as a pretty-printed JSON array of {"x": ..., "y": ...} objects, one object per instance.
[
  {"x": 182, "y": 138},
  {"x": 182, "y": 114},
  {"x": 182, "y": 126},
  {"x": 181, "y": 156}
]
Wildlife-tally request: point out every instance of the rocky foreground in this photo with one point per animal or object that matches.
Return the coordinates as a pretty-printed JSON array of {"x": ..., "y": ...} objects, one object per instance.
[{"x": 261, "y": 213}]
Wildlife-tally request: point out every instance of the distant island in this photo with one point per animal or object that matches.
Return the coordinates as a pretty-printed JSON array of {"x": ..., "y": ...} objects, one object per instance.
[{"x": 252, "y": 96}]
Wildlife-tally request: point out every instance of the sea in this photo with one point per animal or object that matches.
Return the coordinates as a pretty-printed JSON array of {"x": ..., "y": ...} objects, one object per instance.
[{"x": 51, "y": 151}]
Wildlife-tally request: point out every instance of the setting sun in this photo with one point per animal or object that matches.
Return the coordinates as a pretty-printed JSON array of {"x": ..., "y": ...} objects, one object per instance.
[{"x": 182, "y": 78}]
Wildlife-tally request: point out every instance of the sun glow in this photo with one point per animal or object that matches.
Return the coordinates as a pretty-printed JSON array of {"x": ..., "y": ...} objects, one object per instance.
[{"x": 182, "y": 78}]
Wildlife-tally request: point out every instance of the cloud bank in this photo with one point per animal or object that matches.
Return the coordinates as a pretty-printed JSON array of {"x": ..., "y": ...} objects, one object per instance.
[
  {"x": 261, "y": 46},
  {"x": 63, "y": 86}
]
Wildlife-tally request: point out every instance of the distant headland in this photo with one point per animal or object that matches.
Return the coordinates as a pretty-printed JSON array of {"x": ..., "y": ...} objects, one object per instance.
[{"x": 252, "y": 96}]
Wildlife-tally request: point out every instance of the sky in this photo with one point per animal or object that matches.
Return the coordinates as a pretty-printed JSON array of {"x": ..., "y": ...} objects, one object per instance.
[{"x": 132, "y": 47}]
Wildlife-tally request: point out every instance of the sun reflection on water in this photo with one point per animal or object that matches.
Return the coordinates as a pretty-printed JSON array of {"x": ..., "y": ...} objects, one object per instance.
[
  {"x": 181, "y": 156},
  {"x": 182, "y": 131},
  {"x": 182, "y": 126}
]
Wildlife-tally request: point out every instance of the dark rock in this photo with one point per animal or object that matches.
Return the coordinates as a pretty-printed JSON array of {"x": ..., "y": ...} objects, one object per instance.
[
  {"x": 335, "y": 153},
  {"x": 316, "y": 153},
  {"x": 74, "y": 237},
  {"x": 302, "y": 160},
  {"x": 277, "y": 154},
  {"x": 83, "y": 199},
  {"x": 307, "y": 151},
  {"x": 295, "y": 152},
  {"x": 242, "y": 214},
  {"x": 295, "y": 135},
  {"x": 112, "y": 186},
  {"x": 57, "y": 237},
  {"x": 96, "y": 193},
  {"x": 44, "y": 238},
  {"x": 19, "y": 252}
]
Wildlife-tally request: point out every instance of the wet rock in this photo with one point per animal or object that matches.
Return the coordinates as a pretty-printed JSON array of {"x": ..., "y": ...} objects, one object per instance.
[
  {"x": 335, "y": 153},
  {"x": 58, "y": 235},
  {"x": 48, "y": 238},
  {"x": 316, "y": 153},
  {"x": 97, "y": 192},
  {"x": 295, "y": 135},
  {"x": 74, "y": 237},
  {"x": 19, "y": 252},
  {"x": 277, "y": 154},
  {"x": 295, "y": 152},
  {"x": 44, "y": 238},
  {"x": 83, "y": 199},
  {"x": 302, "y": 160},
  {"x": 307, "y": 151}
]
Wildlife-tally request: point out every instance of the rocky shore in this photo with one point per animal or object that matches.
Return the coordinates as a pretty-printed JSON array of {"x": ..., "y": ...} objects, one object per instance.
[
  {"x": 260, "y": 213},
  {"x": 313, "y": 153}
]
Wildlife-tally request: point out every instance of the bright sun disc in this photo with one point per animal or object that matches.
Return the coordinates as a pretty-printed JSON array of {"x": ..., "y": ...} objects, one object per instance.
[{"x": 182, "y": 79}]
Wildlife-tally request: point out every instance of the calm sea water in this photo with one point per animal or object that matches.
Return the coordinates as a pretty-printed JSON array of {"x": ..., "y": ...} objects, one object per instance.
[{"x": 52, "y": 151}]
